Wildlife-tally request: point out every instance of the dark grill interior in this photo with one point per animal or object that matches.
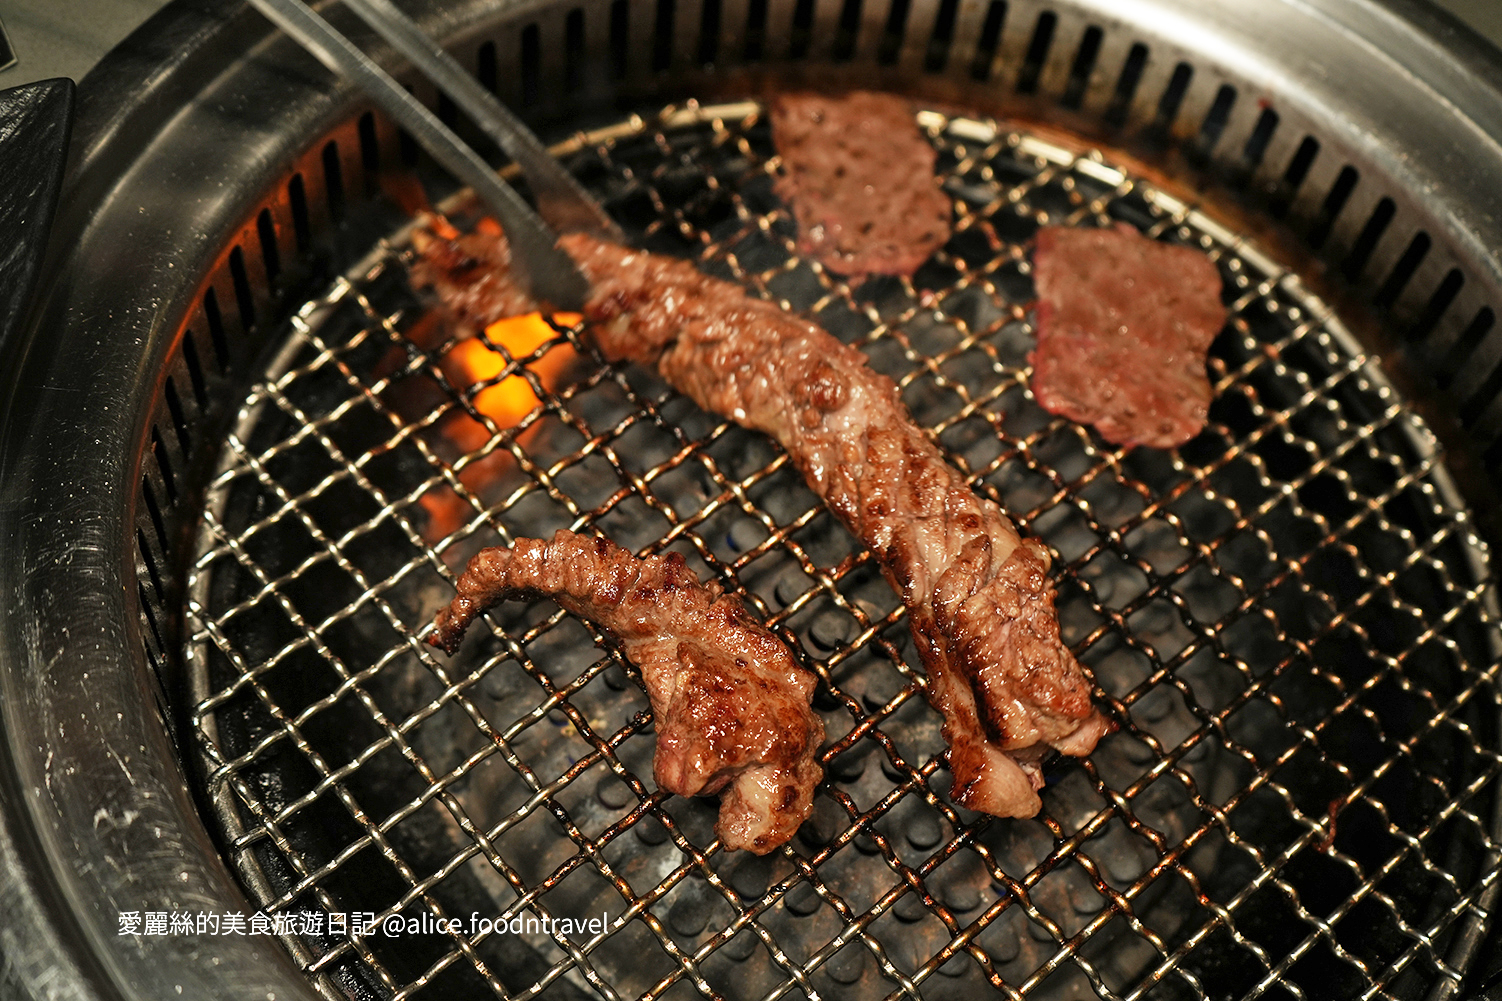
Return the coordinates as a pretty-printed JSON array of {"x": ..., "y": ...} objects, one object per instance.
[{"x": 1290, "y": 617}]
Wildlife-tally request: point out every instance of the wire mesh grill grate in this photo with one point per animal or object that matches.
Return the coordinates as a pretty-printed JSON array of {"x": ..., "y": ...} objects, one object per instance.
[{"x": 1290, "y": 619}]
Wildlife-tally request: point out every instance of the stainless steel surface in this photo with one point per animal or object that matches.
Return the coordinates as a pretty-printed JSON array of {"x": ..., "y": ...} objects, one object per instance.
[
  {"x": 1232, "y": 601},
  {"x": 542, "y": 269},
  {"x": 1363, "y": 128},
  {"x": 66, "y": 38}
]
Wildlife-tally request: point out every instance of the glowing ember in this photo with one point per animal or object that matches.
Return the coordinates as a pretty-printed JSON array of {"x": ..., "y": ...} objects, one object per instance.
[
  {"x": 474, "y": 361},
  {"x": 471, "y": 362}
]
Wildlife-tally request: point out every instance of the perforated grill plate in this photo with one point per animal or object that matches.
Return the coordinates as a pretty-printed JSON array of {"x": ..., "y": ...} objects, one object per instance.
[{"x": 1288, "y": 619}]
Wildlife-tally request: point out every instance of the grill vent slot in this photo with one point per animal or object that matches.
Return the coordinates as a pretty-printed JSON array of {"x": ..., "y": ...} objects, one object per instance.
[
  {"x": 1173, "y": 97},
  {"x": 243, "y": 298},
  {"x": 270, "y": 256},
  {"x": 662, "y": 36},
  {"x": 1037, "y": 53},
  {"x": 164, "y": 466},
  {"x": 843, "y": 49},
  {"x": 215, "y": 321},
  {"x": 154, "y": 512},
  {"x": 195, "y": 370},
  {"x": 802, "y": 35},
  {"x": 333, "y": 181},
  {"x": 447, "y": 110},
  {"x": 1293, "y": 176},
  {"x": 298, "y": 199},
  {"x": 1319, "y": 230},
  {"x": 179, "y": 420},
  {"x": 891, "y": 36},
  {"x": 1398, "y": 278},
  {"x": 942, "y": 37},
  {"x": 620, "y": 27},
  {"x": 370, "y": 151},
  {"x": 485, "y": 67},
  {"x": 1126, "y": 86},
  {"x": 709, "y": 32},
  {"x": 573, "y": 50},
  {"x": 1460, "y": 352},
  {"x": 1216, "y": 118},
  {"x": 756, "y": 30},
  {"x": 1479, "y": 402},
  {"x": 1438, "y": 304},
  {"x": 1079, "y": 72},
  {"x": 156, "y": 649},
  {"x": 531, "y": 63},
  {"x": 990, "y": 36},
  {"x": 1256, "y": 143},
  {"x": 149, "y": 563},
  {"x": 1376, "y": 225}
]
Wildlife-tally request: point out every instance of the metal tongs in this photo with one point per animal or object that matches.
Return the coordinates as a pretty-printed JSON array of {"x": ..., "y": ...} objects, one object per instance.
[{"x": 539, "y": 265}]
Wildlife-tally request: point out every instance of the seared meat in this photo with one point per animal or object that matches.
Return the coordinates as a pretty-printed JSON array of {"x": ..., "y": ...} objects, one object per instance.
[
  {"x": 860, "y": 177},
  {"x": 978, "y": 596},
  {"x": 730, "y": 705},
  {"x": 471, "y": 274},
  {"x": 1124, "y": 324}
]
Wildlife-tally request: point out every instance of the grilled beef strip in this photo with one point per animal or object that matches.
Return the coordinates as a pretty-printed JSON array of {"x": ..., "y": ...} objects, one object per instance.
[{"x": 729, "y": 702}]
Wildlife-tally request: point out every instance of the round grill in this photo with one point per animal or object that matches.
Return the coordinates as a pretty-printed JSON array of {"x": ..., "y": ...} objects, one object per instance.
[{"x": 1289, "y": 619}]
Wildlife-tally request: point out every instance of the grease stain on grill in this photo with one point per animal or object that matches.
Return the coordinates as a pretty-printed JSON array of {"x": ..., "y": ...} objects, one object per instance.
[{"x": 1261, "y": 607}]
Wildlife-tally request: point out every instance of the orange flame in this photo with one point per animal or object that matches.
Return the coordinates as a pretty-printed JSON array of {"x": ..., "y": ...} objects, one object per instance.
[
  {"x": 474, "y": 361},
  {"x": 507, "y": 403}
]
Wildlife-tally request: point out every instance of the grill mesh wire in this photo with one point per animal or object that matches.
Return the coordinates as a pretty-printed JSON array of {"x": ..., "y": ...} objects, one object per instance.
[{"x": 1290, "y": 619}]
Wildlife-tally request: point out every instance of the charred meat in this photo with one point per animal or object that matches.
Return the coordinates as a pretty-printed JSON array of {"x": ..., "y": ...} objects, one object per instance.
[
  {"x": 1124, "y": 324},
  {"x": 730, "y": 704}
]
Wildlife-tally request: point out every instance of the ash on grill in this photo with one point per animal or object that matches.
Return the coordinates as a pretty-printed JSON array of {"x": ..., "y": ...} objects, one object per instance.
[{"x": 1286, "y": 613}]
